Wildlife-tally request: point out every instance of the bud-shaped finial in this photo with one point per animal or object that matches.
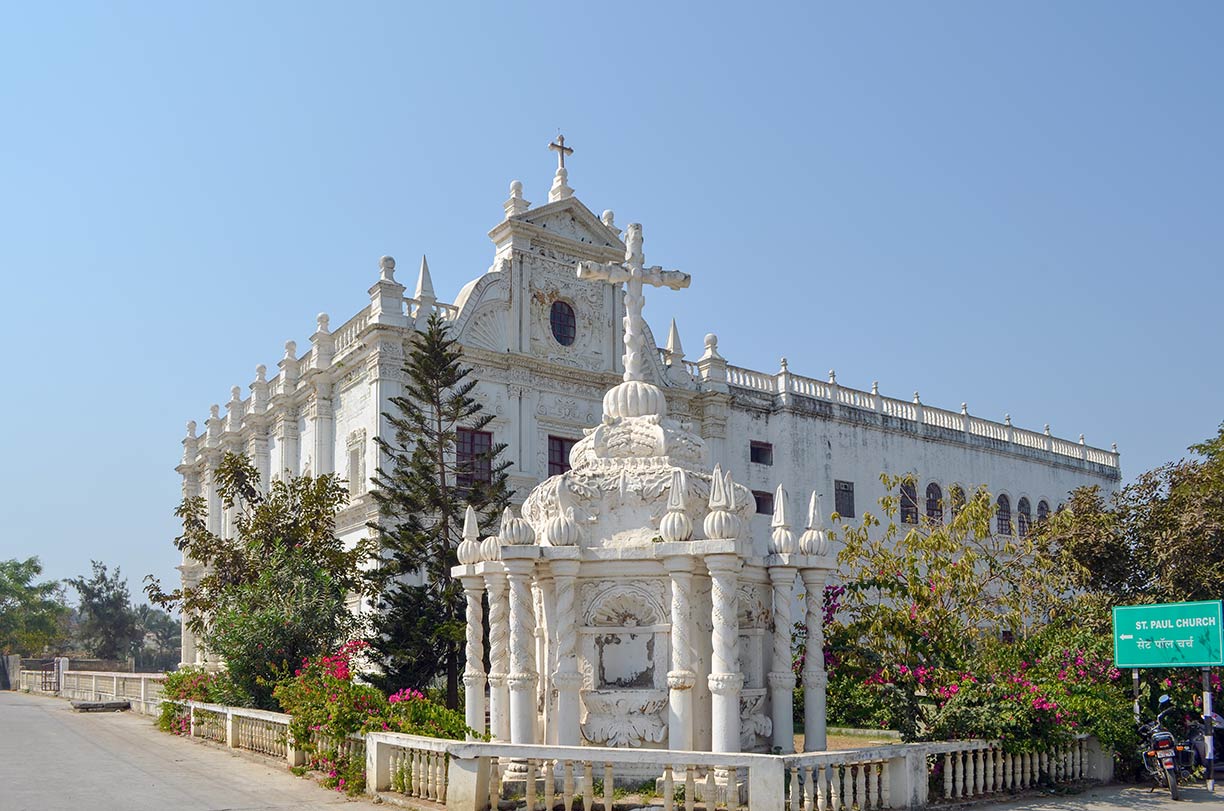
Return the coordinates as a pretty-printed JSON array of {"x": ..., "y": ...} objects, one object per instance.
[
  {"x": 676, "y": 526},
  {"x": 875, "y": 387},
  {"x": 832, "y": 377},
  {"x": 321, "y": 321},
  {"x": 721, "y": 523},
  {"x": 515, "y": 531},
  {"x": 191, "y": 429},
  {"x": 562, "y": 529},
  {"x": 782, "y": 538},
  {"x": 469, "y": 548},
  {"x": 814, "y": 540},
  {"x": 386, "y": 269},
  {"x": 261, "y": 373},
  {"x": 290, "y": 350}
]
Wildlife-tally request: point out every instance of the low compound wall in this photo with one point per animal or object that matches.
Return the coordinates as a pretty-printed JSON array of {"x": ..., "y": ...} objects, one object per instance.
[{"x": 142, "y": 690}]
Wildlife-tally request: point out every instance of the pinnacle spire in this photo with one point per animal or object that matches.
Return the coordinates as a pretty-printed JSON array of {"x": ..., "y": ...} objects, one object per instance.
[
  {"x": 424, "y": 288},
  {"x": 673, "y": 341}
]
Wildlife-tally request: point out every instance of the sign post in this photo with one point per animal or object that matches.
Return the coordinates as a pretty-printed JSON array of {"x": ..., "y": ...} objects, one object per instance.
[{"x": 1173, "y": 635}]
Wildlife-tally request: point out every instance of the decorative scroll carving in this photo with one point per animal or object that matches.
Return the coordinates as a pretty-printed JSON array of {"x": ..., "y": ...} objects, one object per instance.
[
  {"x": 754, "y": 721},
  {"x": 624, "y": 717},
  {"x": 617, "y": 604}
]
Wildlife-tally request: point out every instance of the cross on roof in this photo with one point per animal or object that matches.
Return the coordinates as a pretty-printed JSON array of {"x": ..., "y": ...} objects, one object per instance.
[{"x": 562, "y": 150}]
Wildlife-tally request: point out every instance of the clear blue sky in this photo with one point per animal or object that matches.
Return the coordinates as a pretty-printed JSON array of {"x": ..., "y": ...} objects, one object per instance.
[{"x": 1019, "y": 206}]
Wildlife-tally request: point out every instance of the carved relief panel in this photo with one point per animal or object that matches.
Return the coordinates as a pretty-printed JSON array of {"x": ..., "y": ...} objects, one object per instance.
[{"x": 551, "y": 279}]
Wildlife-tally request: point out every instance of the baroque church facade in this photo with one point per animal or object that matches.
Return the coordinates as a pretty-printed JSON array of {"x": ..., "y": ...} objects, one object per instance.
[{"x": 545, "y": 346}]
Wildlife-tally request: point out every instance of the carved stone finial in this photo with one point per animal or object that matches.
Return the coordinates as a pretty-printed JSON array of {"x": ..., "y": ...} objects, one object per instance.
[
  {"x": 468, "y": 550},
  {"x": 516, "y": 204},
  {"x": 290, "y": 350},
  {"x": 782, "y": 538},
  {"x": 261, "y": 373},
  {"x": 711, "y": 347},
  {"x": 674, "y": 350},
  {"x": 560, "y": 186},
  {"x": 321, "y": 321},
  {"x": 608, "y": 218},
  {"x": 386, "y": 269},
  {"x": 875, "y": 387},
  {"x": 515, "y": 531},
  {"x": 214, "y": 412},
  {"x": 191, "y": 430},
  {"x": 832, "y": 377},
  {"x": 562, "y": 529},
  {"x": 1047, "y": 429},
  {"x": 1081, "y": 439},
  {"x": 964, "y": 408},
  {"x": 917, "y": 399},
  {"x": 235, "y": 393},
  {"x": 1114, "y": 446},
  {"x": 490, "y": 548},
  {"x": 783, "y": 366},
  {"x": 676, "y": 526},
  {"x": 1007, "y": 420},
  {"x": 424, "y": 288},
  {"x": 721, "y": 523},
  {"x": 814, "y": 541}
]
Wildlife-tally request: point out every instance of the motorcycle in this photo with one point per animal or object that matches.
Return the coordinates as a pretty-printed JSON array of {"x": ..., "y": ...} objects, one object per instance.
[{"x": 1163, "y": 757}]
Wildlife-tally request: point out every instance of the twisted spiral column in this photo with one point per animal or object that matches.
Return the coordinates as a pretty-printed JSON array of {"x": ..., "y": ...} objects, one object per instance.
[
  {"x": 566, "y": 677},
  {"x": 523, "y": 677},
  {"x": 634, "y": 302},
  {"x": 681, "y": 678},
  {"x": 781, "y": 677},
  {"x": 725, "y": 680},
  {"x": 473, "y": 669},
  {"x": 499, "y": 656},
  {"x": 814, "y": 678}
]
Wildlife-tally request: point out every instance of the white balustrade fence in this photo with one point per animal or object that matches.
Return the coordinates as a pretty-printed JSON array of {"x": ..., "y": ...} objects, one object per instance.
[
  {"x": 142, "y": 690},
  {"x": 785, "y": 382},
  {"x": 477, "y": 775}
]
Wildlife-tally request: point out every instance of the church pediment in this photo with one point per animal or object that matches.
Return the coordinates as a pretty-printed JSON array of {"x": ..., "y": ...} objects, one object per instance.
[{"x": 567, "y": 221}]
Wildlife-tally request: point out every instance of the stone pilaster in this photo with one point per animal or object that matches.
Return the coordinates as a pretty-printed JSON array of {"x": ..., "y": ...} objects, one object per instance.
[
  {"x": 725, "y": 680},
  {"x": 681, "y": 678},
  {"x": 473, "y": 669},
  {"x": 815, "y": 680},
  {"x": 499, "y": 652},
  {"x": 781, "y": 677},
  {"x": 566, "y": 678},
  {"x": 523, "y": 677},
  {"x": 321, "y": 413}
]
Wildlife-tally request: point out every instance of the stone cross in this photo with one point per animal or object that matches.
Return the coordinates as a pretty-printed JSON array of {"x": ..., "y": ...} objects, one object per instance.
[
  {"x": 633, "y": 273},
  {"x": 562, "y": 150}
]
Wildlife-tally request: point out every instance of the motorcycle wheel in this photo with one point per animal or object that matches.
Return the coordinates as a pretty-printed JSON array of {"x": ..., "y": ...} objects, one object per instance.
[{"x": 1171, "y": 777}]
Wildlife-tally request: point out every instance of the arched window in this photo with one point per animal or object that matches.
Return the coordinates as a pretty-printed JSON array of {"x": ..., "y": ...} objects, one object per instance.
[
  {"x": 1003, "y": 514},
  {"x": 564, "y": 324},
  {"x": 909, "y": 503},
  {"x": 958, "y": 499},
  {"x": 934, "y": 503},
  {"x": 1043, "y": 510},
  {"x": 1023, "y": 516}
]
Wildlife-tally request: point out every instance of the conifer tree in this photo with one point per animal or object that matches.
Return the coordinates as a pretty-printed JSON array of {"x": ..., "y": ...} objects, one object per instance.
[{"x": 422, "y": 488}]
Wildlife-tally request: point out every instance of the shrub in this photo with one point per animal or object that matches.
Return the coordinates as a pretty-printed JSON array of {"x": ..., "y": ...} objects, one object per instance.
[{"x": 194, "y": 684}]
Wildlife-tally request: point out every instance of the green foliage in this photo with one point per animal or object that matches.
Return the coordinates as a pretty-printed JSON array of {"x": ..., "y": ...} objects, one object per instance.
[
  {"x": 107, "y": 626},
  {"x": 327, "y": 706},
  {"x": 194, "y": 684},
  {"x": 276, "y": 591},
  {"x": 158, "y": 639},
  {"x": 1160, "y": 539},
  {"x": 422, "y": 490},
  {"x": 291, "y": 612},
  {"x": 31, "y": 613}
]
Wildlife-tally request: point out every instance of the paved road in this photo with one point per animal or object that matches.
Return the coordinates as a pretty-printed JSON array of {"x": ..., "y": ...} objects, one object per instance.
[
  {"x": 1123, "y": 798},
  {"x": 53, "y": 759}
]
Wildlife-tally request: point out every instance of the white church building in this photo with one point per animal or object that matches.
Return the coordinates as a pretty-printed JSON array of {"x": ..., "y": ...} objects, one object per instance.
[{"x": 546, "y": 345}]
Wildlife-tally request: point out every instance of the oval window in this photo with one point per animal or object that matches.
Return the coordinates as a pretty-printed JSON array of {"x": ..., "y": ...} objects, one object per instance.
[{"x": 564, "y": 325}]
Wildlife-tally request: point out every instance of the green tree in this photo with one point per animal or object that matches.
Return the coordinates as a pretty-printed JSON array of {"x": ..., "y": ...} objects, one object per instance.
[
  {"x": 277, "y": 591},
  {"x": 422, "y": 489},
  {"x": 929, "y": 596},
  {"x": 107, "y": 627},
  {"x": 159, "y": 639},
  {"x": 1159, "y": 539},
  {"x": 31, "y": 613}
]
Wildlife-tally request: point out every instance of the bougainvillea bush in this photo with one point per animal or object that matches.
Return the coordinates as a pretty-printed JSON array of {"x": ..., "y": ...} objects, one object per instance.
[
  {"x": 194, "y": 684},
  {"x": 328, "y": 705}
]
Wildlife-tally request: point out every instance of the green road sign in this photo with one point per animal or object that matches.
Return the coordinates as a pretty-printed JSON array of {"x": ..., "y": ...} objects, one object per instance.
[{"x": 1169, "y": 635}]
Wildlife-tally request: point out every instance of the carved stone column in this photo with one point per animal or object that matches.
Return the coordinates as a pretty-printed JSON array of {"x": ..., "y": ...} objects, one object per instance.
[
  {"x": 781, "y": 677},
  {"x": 681, "y": 678},
  {"x": 523, "y": 677},
  {"x": 566, "y": 678},
  {"x": 815, "y": 680},
  {"x": 725, "y": 680},
  {"x": 473, "y": 670},
  {"x": 499, "y": 653}
]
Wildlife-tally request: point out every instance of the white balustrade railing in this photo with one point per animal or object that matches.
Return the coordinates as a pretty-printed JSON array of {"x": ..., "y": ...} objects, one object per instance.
[
  {"x": 412, "y": 765},
  {"x": 142, "y": 690},
  {"x": 346, "y": 336},
  {"x": 786, "y": 382}
]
